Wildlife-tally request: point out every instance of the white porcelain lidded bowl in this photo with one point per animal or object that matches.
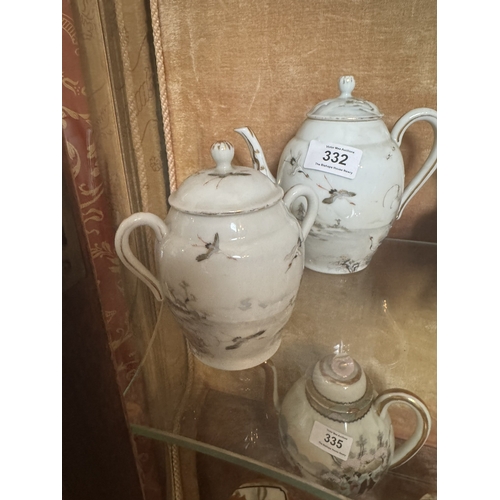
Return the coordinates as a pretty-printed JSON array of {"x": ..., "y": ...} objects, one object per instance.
[
  {"x": 337, "y": 431},
  {"x": 230, "y": 260},
  {"x": 344, "y": 151}
]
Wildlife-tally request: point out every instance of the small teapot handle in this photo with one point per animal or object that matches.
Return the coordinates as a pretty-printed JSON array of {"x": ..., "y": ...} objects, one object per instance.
[
  {"x": 312, "y": 205},
  {"x": 124, "y": 251},
  {"x": 409, "y": 448},
  {"x": 430, "y": 164}
]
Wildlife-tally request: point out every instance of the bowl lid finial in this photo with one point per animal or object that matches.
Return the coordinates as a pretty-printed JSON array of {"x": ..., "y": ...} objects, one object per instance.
[{"x": 225, "y": 189}]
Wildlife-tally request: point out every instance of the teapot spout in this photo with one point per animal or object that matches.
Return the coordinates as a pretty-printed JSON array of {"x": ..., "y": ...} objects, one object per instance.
[
  {"x": 271, "y": 397},
  {"x": 258, "y": 158}
]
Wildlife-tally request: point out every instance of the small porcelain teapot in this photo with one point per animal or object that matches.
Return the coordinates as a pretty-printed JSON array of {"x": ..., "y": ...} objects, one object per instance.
[
  {"x": 344, "y": 151},
  {"x": 337, "y": 431},
  {"x": 230, "y": 260}
]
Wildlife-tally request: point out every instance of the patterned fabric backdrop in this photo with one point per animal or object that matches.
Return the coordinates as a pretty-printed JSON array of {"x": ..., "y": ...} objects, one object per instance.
[{"x": 91, "y": 140}]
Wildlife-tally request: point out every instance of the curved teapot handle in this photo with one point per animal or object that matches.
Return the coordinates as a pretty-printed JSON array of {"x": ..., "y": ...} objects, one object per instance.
[
  {"x": 125, "y": 254},
  {"x": 430, "y": 164},
  {"x": 409, "y": 448},
  {"x": 312, "y": 205}
]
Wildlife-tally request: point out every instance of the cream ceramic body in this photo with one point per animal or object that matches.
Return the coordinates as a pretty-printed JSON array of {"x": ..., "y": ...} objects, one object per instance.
[
  {"x": 232, "y": 304},
  {"x": 365, "y": 420},
  {"x": 355, "y": 215},
  {"x": 230, "y": 277}
]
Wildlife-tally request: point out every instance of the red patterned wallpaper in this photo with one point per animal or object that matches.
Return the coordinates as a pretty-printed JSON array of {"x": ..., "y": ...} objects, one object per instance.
[{"x": 96, "y": 218}]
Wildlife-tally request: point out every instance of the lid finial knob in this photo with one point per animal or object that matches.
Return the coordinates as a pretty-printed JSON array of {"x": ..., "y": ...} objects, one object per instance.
[
  {"x": 339, "y": 378},
  {"x": 342, "y": 366},
  {"x": 222, "y": 153},
  {"x": 346, "y": 85}
]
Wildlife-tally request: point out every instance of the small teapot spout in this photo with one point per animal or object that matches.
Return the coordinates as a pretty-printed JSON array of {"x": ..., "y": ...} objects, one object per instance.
[{"x": 258, "y": 158}]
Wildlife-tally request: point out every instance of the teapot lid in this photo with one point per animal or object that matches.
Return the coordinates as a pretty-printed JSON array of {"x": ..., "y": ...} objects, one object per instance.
[
  {"x": 345, "y": 107},
  {"x": 225, "y": 189},
  {"x": 338, "y": 388}
]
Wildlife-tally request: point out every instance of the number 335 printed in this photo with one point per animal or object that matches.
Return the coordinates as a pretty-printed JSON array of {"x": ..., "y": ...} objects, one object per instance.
[
  {"x": 330, "y": 440},
  {"x": 333, "y": 441}
]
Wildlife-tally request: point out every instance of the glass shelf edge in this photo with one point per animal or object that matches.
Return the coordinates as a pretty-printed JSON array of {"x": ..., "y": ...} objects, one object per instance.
[
  {"x": 413, "y": 242},
  {"x": 240, "y": 460}
]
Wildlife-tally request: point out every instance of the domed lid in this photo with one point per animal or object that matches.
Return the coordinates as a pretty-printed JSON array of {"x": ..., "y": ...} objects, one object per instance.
[
  {"x": 225, "y": 189},
  {"x": 338, "y": 388},
  {"x": 345, "y": 107}
]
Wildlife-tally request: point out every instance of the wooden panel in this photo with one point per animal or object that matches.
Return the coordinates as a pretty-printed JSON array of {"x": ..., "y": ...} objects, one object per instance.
[{"x": 98, "y": 457}]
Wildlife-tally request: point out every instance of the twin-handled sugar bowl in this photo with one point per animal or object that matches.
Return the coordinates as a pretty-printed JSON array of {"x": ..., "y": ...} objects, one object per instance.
[
  {"x": 344, "y": 151},
  {"x": 337, "y": 430},
  {"x": 230, "y": 260}
]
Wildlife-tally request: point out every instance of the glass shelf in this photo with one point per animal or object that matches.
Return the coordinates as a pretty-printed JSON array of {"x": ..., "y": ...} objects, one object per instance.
[{"x": 386, "y": 317}]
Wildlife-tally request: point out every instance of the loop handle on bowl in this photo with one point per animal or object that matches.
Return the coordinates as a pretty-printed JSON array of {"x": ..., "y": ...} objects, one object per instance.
[
  {"x": 312, "y": 205},
  {"x": 124, "y": 251},
  {"x": 430, "y": 164},
  {"x": 410, "y": 447}
]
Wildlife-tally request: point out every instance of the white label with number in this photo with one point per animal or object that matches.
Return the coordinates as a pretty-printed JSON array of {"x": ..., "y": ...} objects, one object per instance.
[
  {"x": 331, "y": 441},
  {"x": 334, "y": 159}
]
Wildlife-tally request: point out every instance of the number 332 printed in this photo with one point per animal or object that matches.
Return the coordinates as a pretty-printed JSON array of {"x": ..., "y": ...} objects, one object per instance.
[{"x": 334, "y": 157}]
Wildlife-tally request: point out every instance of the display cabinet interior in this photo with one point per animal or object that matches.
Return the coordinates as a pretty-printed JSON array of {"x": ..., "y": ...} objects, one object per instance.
[{"x": 384, "y": 316}]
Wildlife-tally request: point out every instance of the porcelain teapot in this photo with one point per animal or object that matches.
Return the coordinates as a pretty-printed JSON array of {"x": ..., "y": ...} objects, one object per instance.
[
  {"x": 229, "y": 258},
  {"x": 344, "y": 151},
  {"x": 337, "y": 430}
]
